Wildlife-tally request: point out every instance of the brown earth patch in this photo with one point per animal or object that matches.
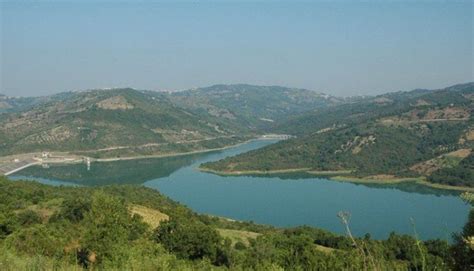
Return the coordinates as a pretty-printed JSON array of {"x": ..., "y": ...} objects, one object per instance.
[
  {"x": 430, "y": 166},
  {"x": 150, "y": 216},
  {"x": 115, "y": 103},
  {"x": 461, "y": 153}
]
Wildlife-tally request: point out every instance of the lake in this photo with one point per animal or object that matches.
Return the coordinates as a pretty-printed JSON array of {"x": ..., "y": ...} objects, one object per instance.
[{"x": 285, "y": 200}]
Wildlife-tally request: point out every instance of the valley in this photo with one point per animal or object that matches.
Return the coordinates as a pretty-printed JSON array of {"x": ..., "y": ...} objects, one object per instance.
[
  {"x": 210, "y": 148},
  {"x": 405, "y": 135}
]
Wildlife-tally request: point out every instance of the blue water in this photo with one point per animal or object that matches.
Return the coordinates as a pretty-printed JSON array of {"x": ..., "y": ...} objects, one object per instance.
[{"x": 286, "y": 200}]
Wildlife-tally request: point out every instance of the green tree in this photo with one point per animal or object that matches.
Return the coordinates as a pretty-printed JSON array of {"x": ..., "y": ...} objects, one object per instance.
[
  {"x": 108, "y": 225},
  {"x": 75, "y": 209},
  {"x": 463, "y": 249},
  {"x": 188, "y": 239}
]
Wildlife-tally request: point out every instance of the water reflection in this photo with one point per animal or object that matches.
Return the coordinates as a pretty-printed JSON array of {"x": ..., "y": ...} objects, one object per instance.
[
  {"x": 281, "y": 200},
  {"x": 116, "y": 172}
]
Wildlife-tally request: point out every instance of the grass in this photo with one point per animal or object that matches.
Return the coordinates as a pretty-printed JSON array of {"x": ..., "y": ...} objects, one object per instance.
[
  {"x": 468, "y": 197},
  {"x": 244, "y": 237},
  {"x": 150, "y": 216},
  {"x": 10, "y": 261},
  {"x": 324, "y": 249},
  {"x": 238, "y": 235}
]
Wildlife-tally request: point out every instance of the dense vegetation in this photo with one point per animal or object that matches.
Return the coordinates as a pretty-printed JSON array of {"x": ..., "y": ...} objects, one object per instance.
[
  {"x": 147, "y": 122},
  {"x": 357, "y": 111},
  {"x": 15, "y": 104},
  {"x": 252, "y": 107},
  {"x": 44, "y": 227},
  {"x": 461, "y": 174},
  {"x": 401, "y": 134}
]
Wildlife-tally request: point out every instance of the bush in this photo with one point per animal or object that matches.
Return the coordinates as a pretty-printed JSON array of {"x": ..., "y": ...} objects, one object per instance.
[
  {"x": 75, "y": 209},
  {"x": 35, "y": 240},
  {"x": 188, "y": 239},
  {"x": 28, "y": 217}
]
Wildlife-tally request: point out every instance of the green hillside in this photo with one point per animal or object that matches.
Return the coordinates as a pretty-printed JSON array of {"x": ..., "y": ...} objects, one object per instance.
[
  {"x": 15, "y": 104},
  {"x": 90, "y": 120},
  {"x": 400, "y": 134},
  {"x": 357, "y": 110},
  {"x": 252, "y": 107},
  {"x": 128, "y": 122},
  {"x": 136, "y": 228}
]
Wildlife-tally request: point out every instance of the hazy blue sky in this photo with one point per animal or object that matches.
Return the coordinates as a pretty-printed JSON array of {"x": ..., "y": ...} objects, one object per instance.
[{"x": 341, "y": 48}]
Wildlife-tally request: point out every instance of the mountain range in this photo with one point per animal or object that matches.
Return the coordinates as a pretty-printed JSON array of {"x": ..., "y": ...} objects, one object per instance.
[
  {"x": 114, "y": 122},
  {"x": 427, "y": 133}
]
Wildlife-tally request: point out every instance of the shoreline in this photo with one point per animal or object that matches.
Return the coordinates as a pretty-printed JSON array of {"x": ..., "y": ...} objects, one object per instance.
[
  {"x": 180, "y": 153},
  {"x": 168, "y": 154},
  {"x": 70, "y": 158},
  {"x": 336, "y": 176},
  {"x": 250, "y": 172}
]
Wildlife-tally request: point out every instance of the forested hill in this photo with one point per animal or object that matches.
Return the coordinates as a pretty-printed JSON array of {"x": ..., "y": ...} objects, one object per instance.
[
  {"x": 253, "y": 107},
  {"x": 132, "y": 122},
  {"x": 136, "y": 228},
  {"x": 362, "y": 109},
  {"x": 417, "y": 133},
  {"x": 15, "y": 104},
  {"x": 77, "y": 121}
]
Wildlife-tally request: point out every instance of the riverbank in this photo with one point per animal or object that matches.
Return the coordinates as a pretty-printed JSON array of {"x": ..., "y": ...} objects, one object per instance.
[
  {"x": 394, "y": 180},
  {"x": 252, "y": 172},
  {"x": 343, "y": 176},
  {"x": 12, "y": 161},
  {"x": 164, "y": 155}
]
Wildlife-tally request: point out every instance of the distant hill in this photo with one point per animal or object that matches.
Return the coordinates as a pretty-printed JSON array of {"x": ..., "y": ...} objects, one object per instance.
[
  {"x": 15, "y": 104},
  {"x": 130, "y": 122},
  {"x": 402, "y": 134},
  {"x": 360, "y": 110},
  {"x": 77, "y": 121},
  {"x": 252, "y": 107}
]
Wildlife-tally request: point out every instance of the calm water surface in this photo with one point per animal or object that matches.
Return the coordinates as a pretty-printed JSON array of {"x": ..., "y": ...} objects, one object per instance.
[{"x": 285, "y": 200}]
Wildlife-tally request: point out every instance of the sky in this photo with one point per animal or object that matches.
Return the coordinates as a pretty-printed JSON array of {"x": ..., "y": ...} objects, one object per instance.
[{"x": 341, "y": 48}]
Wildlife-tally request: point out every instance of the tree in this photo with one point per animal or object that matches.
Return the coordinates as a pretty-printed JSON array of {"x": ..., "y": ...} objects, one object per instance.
[
  {"x": 108, "y": 225},
  {"x": 188, "y": 239},
  {"x": 463, "y": 248},
  {"x": 75, "y": 209}
]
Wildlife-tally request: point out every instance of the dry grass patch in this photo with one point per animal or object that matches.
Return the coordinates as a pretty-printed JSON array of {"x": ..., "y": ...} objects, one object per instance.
[
  {"x": 324, "y": 249},
  {"x": 470, "y": 135},
  {"x": 446, "y": 160},
  {"x": 238, "y": 235},
  {"x": 115, "y": 103},
  {"x": 150, "y": 216},
  {"x": 461, "y": 153}
]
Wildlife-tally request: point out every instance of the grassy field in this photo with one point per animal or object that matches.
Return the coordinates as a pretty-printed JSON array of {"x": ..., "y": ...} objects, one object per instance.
[
  {"x": 238, "y": 235},
  {"x": 150, "y": 216}
]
